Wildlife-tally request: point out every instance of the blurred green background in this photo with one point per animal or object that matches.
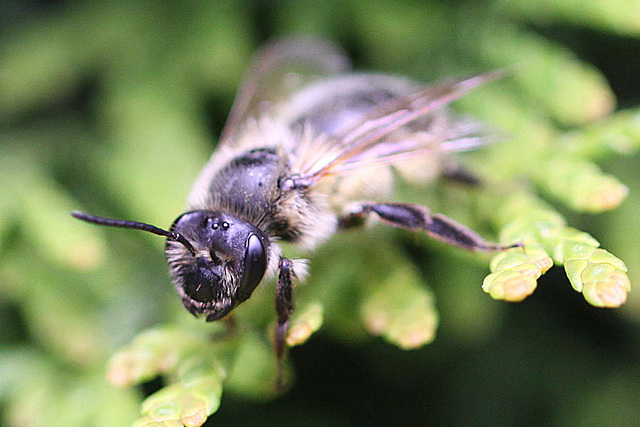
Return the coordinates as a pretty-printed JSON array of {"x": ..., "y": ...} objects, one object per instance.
[{"x": 114, "y": 107}]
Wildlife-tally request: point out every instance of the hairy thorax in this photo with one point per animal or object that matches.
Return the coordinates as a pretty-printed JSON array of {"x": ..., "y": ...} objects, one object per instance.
[{"x": 250, "y": 187}]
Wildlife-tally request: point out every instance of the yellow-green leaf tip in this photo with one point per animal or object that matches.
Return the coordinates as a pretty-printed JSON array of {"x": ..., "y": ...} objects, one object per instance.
[
  {"x": 515, "y": 273},
  {"x": 600, "y": 276},
  {"x": 609, "y": 293},
  {"x": 306, "y": 321},
  {"x": 402, "y": 313},
  {"x": 127, "y": 368},
  {"x": 510, "y": 286}
]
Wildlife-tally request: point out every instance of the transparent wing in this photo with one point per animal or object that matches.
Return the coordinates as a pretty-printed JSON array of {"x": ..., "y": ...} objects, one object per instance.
[
  {"x": 398, "y": 129},
  {"x": 281, "y": 68}
]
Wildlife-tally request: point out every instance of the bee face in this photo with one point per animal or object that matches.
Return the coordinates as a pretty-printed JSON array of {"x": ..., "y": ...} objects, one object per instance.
[{"x": 230, "y": 260}]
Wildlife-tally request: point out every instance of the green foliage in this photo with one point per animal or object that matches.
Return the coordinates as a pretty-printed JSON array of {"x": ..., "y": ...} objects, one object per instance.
[
  {"x": 105, "y": 108},
  {"x": 600, "y": 276}
]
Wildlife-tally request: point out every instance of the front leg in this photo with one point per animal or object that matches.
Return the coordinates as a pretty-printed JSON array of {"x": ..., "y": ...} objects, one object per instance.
[
  {"x": 284, "y": 308},
  {"x": 417, "y": 217}
]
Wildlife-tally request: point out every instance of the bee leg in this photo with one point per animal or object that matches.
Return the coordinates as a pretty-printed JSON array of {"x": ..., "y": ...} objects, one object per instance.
[
  {"x": 417, "y": 217},
  {"x": 284, "y": 308}
]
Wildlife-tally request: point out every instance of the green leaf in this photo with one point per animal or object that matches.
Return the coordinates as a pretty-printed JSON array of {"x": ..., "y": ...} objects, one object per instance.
[
  {"x": 596, "y": 273},
  {"x": 401, "y": 311}
]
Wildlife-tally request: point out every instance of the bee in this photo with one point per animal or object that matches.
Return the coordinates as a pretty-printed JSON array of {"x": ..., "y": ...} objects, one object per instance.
[{"x": 308, "y": 151}]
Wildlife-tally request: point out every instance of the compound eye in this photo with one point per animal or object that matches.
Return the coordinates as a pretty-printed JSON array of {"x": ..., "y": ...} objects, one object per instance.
[{"x": 255, "y": 264}]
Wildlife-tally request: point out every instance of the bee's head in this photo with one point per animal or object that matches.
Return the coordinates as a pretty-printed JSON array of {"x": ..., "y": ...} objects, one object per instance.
[
  {"x": 228, "y": 260},
  {"x": 216, "y": 260}
]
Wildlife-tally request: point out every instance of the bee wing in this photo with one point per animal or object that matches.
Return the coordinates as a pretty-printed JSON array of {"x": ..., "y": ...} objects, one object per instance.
[
  {"x": 281, "y": 68},
  {"x": 384, "y": 135}
]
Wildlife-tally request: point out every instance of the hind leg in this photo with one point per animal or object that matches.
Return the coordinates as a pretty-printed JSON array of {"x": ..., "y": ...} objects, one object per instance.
[{"x": 418, "y": 218}]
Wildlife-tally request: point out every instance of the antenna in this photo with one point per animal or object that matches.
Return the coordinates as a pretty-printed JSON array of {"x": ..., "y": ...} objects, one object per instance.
[{"x": 109, "y": 222}]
